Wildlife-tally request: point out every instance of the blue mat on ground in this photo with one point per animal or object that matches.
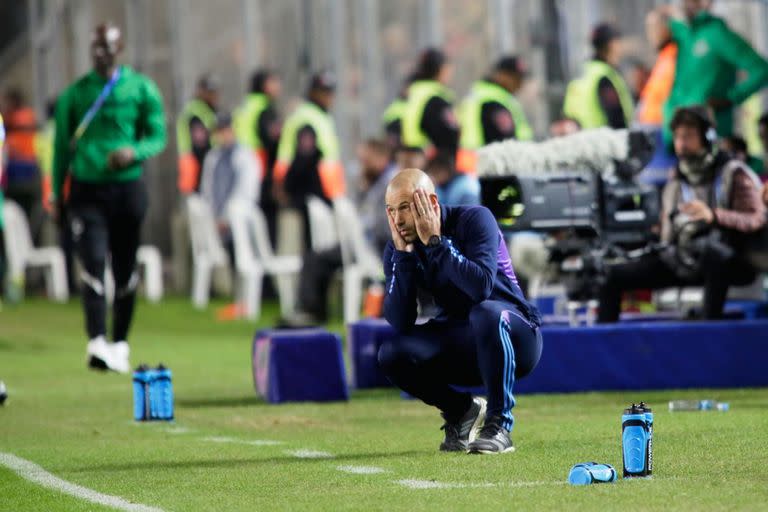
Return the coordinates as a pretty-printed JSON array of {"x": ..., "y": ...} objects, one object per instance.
[
  {"x": 298, "y": 365},
  {"x": 363, "y": 341},
  {"x": 657, "y": 355}
]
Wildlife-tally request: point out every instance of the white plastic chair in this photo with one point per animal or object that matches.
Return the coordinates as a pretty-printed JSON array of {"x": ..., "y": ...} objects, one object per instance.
[
  {"x": 207, "y": 250},
  {"x": 254, "y": 257},
  {"x": 358, "y": 258},
  {"x": 322, "y": 226},
  {"x": 148, "y": 256},
  {"x": 21, "y": 254}
]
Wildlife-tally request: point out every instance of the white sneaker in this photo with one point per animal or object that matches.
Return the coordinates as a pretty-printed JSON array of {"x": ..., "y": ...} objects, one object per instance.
[
  {"x": 120, "y": 357},
  {"x": 99, "y": 353}
]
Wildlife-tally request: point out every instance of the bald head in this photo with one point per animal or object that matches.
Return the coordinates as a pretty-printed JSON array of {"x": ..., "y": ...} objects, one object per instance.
[
  {"x": 400, "y": 198},
  {"x": 411, "y": 180}
]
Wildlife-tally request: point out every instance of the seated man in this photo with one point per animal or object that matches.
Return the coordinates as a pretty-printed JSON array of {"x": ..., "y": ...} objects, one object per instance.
[
  {"x": 376, "y": 169},
  {"x": 708, "y": 208},
  {"x": 230, "y": 172},
  {"x": 451, "y": 264}
]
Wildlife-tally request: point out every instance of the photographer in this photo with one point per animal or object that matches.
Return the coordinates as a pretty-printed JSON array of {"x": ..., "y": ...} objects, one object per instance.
[{"x": 708, "y": 210}]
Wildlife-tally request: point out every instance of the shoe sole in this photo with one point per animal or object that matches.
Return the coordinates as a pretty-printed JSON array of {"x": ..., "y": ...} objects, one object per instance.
[
  {"x": 478, "y": 424},
  {"x": 94, "y": 363},
  {"x": 491, "y": 452}
]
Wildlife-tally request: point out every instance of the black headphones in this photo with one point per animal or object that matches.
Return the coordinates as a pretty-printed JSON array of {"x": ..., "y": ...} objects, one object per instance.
[{"x": 706, "y": 125}]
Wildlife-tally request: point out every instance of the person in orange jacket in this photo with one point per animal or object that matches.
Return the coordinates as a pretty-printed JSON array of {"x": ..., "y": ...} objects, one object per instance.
[
  {"x": 22, "y": 174},
  {"x": 650, "y": 110}
]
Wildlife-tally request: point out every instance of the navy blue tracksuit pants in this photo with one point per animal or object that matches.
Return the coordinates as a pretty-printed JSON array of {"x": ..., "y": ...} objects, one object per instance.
[{"x": 494, "y": 347}]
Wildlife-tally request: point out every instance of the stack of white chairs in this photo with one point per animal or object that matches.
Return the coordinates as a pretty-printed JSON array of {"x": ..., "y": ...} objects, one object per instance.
[
  {"x": 22, "y": 254},
  {"x": 255, "y": 257},
  {"x": 322, "y": 225},
  {"x": 147, "y": 257},
  {"x": 360, "y": 261},
  {"x": 207, "y": 250}
]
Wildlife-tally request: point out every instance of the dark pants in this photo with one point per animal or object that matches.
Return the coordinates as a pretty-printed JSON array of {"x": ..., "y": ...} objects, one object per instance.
[
  {"x": 316, "y": 274},
  {"x": 495, "y": 346},
  {"x": 28, "y": 195},
  {"x": 651, "y": 273},
  {"x": 106, "y": 220},
  {"x": 67, "y": 245}
]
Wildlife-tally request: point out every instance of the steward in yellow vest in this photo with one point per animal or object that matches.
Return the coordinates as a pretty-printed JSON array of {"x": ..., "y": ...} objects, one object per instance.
[
  {"x": 193, "y": 132},
  {"x": 308, "y": 156},
  {"x": 600, "y": 97},
  {"x": 429, "y": 122},
  {"x": 491, "y": 113}
]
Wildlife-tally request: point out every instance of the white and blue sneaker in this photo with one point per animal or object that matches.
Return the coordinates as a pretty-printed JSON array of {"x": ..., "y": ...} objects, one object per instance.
[
  {"x": 493, "y": 438},
  {"x": 458, "y": 435}
]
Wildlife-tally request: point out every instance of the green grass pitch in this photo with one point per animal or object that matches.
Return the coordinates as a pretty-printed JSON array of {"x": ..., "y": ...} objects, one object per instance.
[{"x": 230, "y": 451}]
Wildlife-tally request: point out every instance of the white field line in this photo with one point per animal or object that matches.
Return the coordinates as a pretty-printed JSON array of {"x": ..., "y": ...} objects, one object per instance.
[
  {"x": 309, "y": 454},
  {"x": 254, "y": 442},
  {"x": 36, "y": 474},
  {"x": 361, "y": 470},
  {"x": 431, "y": 484}
]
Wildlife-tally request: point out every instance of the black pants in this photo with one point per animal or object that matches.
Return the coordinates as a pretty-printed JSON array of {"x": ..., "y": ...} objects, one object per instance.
[
  {"x": 494, "y": 347},
  {"x": 650, "y": 272},
  {"x": 316, "y": 274},
  {"x": 28, "y": 195},
  {"x": 67, "y": 245},
  {"x": 106, "y": 220}
]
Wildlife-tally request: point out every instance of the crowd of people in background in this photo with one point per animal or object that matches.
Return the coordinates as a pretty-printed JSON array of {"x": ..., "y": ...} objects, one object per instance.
[{"x": 273, "y": 160}]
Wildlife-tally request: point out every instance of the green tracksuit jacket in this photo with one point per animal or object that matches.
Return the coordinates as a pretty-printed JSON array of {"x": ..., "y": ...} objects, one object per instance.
[
  {"x": 709, "y": 60},
  {"x": 132, "y": 115}
]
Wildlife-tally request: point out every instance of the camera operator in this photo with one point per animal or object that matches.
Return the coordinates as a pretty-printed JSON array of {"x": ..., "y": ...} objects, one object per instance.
[{"x": 708, "y": 210}]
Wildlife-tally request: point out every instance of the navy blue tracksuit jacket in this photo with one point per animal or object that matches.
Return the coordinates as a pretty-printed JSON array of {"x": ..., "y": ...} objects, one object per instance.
[{"x": 482, "y": 331}]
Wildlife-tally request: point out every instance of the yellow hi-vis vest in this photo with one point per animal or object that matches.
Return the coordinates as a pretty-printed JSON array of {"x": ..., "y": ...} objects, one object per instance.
[
  {"x": 582, "y": 102},
  {"x": 472, "y": 134},
  {"x": 419, "y": 94},
  {"x": 330, "y": 169}
]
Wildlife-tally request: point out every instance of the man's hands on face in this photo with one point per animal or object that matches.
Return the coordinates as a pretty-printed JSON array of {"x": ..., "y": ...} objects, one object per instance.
[
  {"x": 397, "y": 238},
  {"x": 121, "y": 158},
  {"x": 426, "y": 215},
  {"x": 698, "y": 210}
]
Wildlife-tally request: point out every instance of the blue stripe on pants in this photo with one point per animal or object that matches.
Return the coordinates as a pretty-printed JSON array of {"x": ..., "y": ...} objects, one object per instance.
[{"x": 494, "y": 347}]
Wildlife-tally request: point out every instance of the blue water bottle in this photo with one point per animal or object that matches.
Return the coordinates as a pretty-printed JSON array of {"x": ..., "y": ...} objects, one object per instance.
[
  {"x": 591, "y": 473},
  {"x": 649, "y": 423},
  {"x": 141, "y": 394},
  {"x": 164, "y": 392},
  {"x": 154, "y": 404},
  {"x": 634, "y": 442}
]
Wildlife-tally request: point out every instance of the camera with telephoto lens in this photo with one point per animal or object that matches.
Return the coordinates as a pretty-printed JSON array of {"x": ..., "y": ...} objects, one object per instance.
[{"x": 591, "y": 204}]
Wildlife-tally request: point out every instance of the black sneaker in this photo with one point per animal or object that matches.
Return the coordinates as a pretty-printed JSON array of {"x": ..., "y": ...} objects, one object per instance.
[
  {"x": 458, "y": 435},
  {"x": 493, "y": 438}
]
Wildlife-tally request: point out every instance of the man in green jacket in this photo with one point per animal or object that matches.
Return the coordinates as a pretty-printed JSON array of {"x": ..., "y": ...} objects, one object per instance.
[
  {"x": 709, "y": 58},
  {"x": 107, "y": 124}
]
